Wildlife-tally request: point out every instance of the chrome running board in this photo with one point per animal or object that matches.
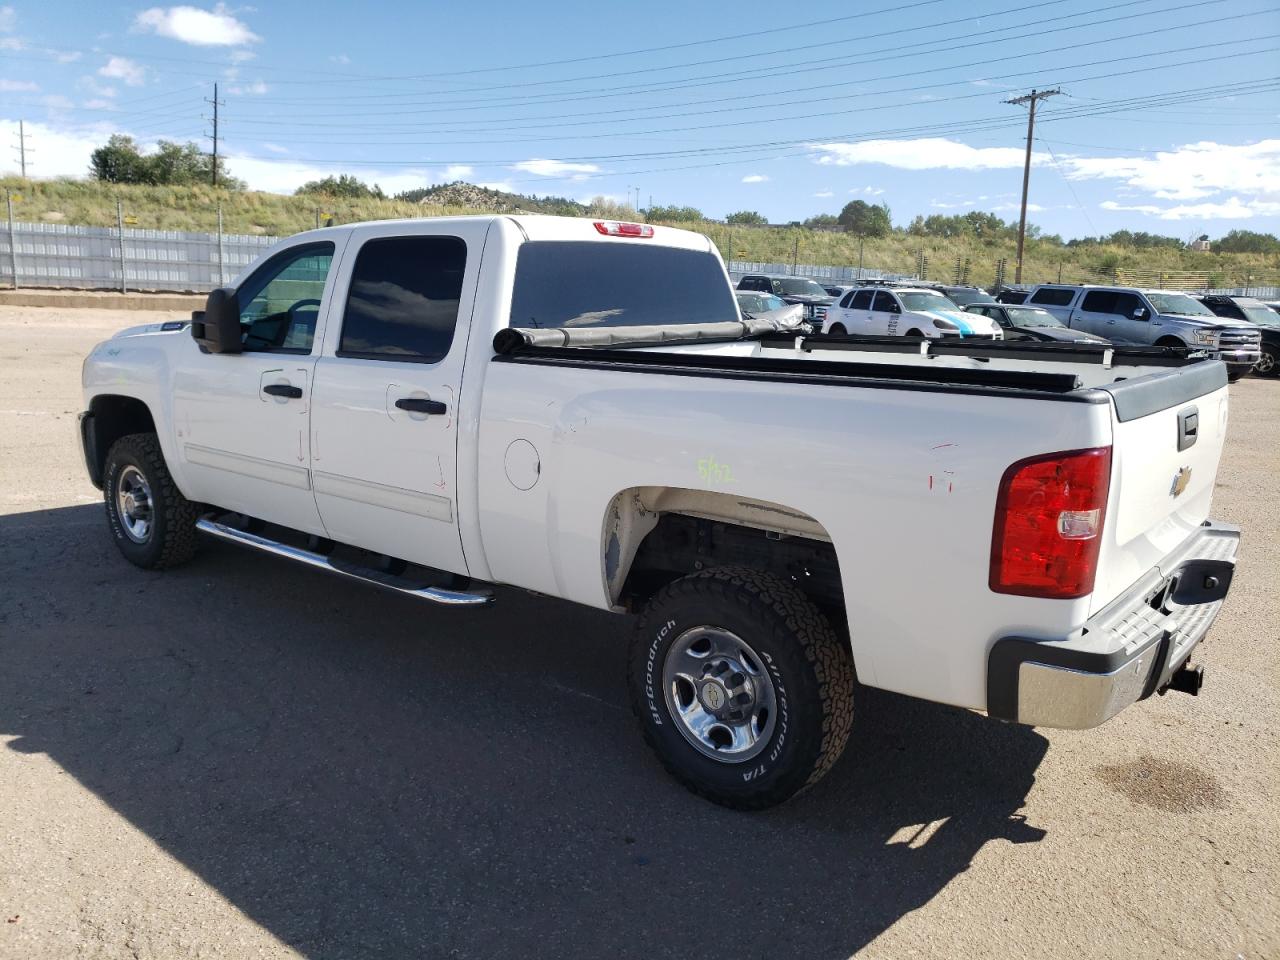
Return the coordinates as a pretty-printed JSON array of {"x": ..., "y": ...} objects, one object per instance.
[{"x": 449, "y": 598}]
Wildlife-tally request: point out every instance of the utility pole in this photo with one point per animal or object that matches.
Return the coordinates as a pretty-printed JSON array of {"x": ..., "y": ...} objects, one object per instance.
[
  {"x": 216, "y": 103},
  {"x": 22, "y": 147},
  {"x": 1030, "y": 100}
]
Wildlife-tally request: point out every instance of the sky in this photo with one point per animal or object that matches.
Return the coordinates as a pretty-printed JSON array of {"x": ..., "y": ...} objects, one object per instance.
[{"x": 1168, "y": 119}]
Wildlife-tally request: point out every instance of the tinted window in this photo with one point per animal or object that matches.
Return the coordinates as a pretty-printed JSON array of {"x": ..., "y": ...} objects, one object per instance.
[
  {"x": 607, "y": 284},
  {"x": 798, "y": 287},
  {"x": 885, "y": 303},
  {"x": 861, "y": 300},
  {"x": 1032, "y": 317},
  {"x": 926, "y": 301},
  {"x": 280, "y": 302},
  {"x": 1099, "y": 301},
  {"x": 846, "y": 299},
  {"x": 403, "y": 303},
  {"x": 1179, "y": 304},
  {"x": 1126, "y": 303},
  {"x": 1054, "y": 296}
]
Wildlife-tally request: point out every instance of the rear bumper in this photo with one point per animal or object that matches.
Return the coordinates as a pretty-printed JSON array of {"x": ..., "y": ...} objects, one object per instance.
[{"x": 1126, "y": 652}]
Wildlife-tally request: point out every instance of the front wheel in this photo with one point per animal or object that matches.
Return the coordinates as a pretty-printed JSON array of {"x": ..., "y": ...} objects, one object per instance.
[
  {"x": 838, "y": 330},
  {"x": 1266, "y": 365},
  {"x": 152, "y": 523},
  {"x": 741, "y": 686}
]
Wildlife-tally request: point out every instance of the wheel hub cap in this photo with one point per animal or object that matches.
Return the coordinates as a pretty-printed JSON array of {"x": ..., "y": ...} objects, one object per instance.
[
  {"x": 719, "y": 694},
  {"x": 133, "y": 504}
]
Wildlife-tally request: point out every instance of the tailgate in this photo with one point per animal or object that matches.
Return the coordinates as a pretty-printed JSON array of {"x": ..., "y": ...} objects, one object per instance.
[{"x": 1168, "y": 430}]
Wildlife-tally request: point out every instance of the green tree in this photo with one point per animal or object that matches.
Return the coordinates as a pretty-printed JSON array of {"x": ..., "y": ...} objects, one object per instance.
[
  {"x": 121, "y": 160},
  {"x": 344, "y": 186},
  {"x": 1248, "y": 241},
  {"x": 746, "y": 218},
  {"x": 865, "y": 219},
  {"x": 674, "y": 214},
  {"x": 822, "y": 220}
]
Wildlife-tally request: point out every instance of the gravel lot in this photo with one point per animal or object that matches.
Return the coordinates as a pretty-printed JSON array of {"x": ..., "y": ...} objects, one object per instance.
[{"x": 241, "y": 758}]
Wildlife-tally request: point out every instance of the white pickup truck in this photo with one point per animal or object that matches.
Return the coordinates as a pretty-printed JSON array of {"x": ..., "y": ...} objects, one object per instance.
[{"x": 576, "y": 408}]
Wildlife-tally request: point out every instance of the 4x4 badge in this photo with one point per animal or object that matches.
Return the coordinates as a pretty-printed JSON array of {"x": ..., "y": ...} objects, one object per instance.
[{"x": 1180, "y": 481}]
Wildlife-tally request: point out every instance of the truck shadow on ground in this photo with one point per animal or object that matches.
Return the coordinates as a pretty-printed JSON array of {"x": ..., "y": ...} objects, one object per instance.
[{"x": 365, "y": 776}]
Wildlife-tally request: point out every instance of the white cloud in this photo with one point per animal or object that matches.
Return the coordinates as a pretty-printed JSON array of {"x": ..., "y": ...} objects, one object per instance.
[
  {"x": 928, "y": 153},
  {"x": 18, "y": 86},
  {"x": 1191, "y": 172},
  {"x": 8, "y": 19},
  {"x": 456, "y": 172},
  {"x": 122, "y": 68},
  {"x": 255, "y": 89},
  {"x": 98, "y": 104},
  {"x": 1233, "y": 208},
  {"x": 341, "y": 58},
  {"x": 275, "y": 148},
  {"x": 825, "y": 193},
  {"x": 754, "y": 178},
  {"x": 556, "y": 168},
  {"x": 201, "y": 28},
  {"x": 502, "y": 186},
  {"x": 242, "y": 56},
  {"x": 953, "y": 205},
  {"x": 1000, "y": 207},
  {"x": 56, "y": 101},
  {"x": 96, "y": 89}
]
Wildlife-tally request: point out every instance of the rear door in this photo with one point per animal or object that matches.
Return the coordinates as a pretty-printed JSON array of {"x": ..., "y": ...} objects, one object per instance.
[
  {"x": 384, "y": 418},
  {"x": 884, "y": 315},
  {"x": 1110, "y": 314}
]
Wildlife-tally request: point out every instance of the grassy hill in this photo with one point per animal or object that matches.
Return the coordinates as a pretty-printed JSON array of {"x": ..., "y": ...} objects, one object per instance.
[{"x": 195, "y": 208}]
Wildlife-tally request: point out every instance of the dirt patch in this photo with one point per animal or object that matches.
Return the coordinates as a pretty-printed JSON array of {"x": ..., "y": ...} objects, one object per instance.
[{"x": 1164, "y": 784}]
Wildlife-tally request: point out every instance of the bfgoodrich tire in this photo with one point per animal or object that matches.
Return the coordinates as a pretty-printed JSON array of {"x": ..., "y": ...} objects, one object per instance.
[
  {"x": 741, "y": 686},
  {"x": 152, "y": 523}
]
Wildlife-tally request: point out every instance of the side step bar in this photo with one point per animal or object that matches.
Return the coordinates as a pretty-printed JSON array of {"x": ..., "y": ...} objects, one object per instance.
[{"x": 451, "y": 598}]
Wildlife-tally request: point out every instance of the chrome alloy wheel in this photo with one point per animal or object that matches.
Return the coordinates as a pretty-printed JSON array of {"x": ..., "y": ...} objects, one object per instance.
[
  {"x": 1266, "y": 364},
  {"x": 719, "y": 694},
  {"x": 133, "y": 504}
]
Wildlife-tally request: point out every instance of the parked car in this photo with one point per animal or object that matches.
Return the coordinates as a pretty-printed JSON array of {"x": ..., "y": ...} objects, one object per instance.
[
  {"x": 802, "y": 290},
  {"x": 1020, "y": 322},
  {"x": 632, "y": 446},
  {"x": 838, "y": 290},
  {"x": 1012, "y": 296},
  {"x": 1263, "y": 317},
  {"x": 765, "y": 306},
  {"x": 899, "y": 311},
  {"x": 1273, "y": 305},
  {"x": 962, "y": 296},
  {"x": 1155, "y": 317}
]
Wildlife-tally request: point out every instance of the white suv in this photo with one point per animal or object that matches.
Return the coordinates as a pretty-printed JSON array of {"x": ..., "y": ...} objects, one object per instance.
[{"x": 905, "y": 311}]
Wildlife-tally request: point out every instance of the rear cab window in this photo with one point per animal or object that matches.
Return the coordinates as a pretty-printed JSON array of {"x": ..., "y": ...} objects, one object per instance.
[
  {"x": 1054, "y": 296},
  {"x": 586, "y": 284}
]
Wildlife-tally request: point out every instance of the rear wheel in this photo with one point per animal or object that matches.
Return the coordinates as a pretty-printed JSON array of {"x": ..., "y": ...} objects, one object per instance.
[
  {"x": 838, "y": 330},
  {"x": 741, "y": 686},
  {"x": 152, "y": 523},
  {"x": 913, "y": 332}
]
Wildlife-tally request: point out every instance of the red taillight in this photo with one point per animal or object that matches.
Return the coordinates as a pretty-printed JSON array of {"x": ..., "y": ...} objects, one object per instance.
[
  {"x": 1049, "y": 524},
  {"x": 616, "y": 228}
]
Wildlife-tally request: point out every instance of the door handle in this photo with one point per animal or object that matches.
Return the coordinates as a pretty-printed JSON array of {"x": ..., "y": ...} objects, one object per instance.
[
  {"x": 421, "y": 405},
  {"x": 283, "y": 390}
]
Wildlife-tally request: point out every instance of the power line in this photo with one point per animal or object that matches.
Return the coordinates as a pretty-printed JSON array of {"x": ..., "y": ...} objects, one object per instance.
[
  {"x": 1070, "y": 186},
  {"x": 1030, "y": 99}
]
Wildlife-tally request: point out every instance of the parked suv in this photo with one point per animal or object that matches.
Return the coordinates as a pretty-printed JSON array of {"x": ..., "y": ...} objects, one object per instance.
[
  {"x": 1263, "y": 316},
  {"x": 963, "y": 296},
  {"x": 906, "y": 311},
  {"x": 802, "y": 290},
  {"x": 1165, "y": 318}
]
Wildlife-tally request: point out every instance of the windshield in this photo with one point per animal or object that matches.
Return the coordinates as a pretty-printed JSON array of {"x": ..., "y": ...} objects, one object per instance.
[
  {"x": 966, "y": 297},
  {"x": 1031, "y": 317},
  {"x": 1179, "y": 304},
  {"x": 602, "y": 284},
  {"x": 798, "y": 287},
  {"x": 926, "y": 301},
  {"x": 1255, "y": 311}
]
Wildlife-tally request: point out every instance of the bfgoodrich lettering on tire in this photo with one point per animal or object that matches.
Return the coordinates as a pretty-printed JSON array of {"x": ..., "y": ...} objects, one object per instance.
[
  {"x": 741, "y": 686},
  {"x": 152, "y": 523}
]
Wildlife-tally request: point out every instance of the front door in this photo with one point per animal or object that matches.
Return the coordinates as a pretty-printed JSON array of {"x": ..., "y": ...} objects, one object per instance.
[
  {"x": 240, "y": 419},
  {"x": 385, "y": 414}
]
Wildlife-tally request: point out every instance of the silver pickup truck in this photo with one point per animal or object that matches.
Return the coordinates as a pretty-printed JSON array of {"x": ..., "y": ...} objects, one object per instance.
[{"x": 1162, "y": 318}]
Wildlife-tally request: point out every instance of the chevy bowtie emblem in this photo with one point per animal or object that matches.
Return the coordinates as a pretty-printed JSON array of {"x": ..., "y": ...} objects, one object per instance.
[{"x": 1180, "y": 481}]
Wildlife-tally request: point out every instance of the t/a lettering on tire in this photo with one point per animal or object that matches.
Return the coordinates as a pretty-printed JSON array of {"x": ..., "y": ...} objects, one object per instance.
[{"x": 741, "y": 686}]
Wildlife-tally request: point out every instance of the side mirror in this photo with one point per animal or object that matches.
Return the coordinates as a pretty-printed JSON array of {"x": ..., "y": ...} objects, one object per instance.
[
  {"x": 217, "y": 327},
  {"x": 1139, "y": 313}
]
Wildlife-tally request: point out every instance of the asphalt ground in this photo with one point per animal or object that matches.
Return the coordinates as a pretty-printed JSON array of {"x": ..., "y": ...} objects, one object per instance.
[{"x": 242, "y": 758}]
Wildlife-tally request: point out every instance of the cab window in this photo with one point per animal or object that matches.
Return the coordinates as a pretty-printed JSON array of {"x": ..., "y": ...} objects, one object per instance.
[
  {"x": 403, "y": 301},
  {"x": 861, "y": 300},
  {"x": 280, "y": 302},
  {"x": 1054, "y": 296},
  {"x": 884, "y": 303}
]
